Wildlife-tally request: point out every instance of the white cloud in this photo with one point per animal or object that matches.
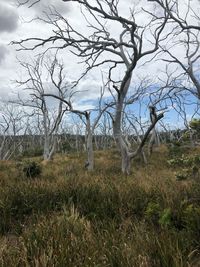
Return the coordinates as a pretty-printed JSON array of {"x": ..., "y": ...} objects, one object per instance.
[
  {"x": 44, "y": 5},
  {"x": 3, "y": 52},
  {"x": 8, "y": 18}
]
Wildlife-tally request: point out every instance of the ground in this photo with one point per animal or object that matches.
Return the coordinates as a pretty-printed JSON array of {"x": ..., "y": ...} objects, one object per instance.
[{"x": 67, "y": 216}]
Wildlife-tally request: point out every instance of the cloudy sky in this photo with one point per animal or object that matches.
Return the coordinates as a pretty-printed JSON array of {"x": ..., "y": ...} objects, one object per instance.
[{"x": 15, "y": 25}]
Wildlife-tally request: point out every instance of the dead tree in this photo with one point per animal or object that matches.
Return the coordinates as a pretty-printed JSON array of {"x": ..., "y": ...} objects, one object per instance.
[
  {"x": 154, "y": 139},
  {"x": 184, "y": 37},
  {"x": 102, "y": 48},
  {"x": 105, "y": 131},
  {"x": 139, "y": 132},
  {"x": 186, "y": 78},
  {"x": 36, "y": 84},
  {"x": 90, "y": 125},
  {"x": 12, "y": 128},
  {"x": 183, "y": 19}
]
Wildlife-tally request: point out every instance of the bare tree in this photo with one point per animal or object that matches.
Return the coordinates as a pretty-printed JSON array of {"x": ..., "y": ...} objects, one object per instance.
[
  {"x": 90, "y": 125},
  {"x": 186, "y": 78},
  {"x": 184, "y": 28},
  {"x": 181, "y": 105},
  {"x": 187, "y": 19},
  {"x": 102, "y": 47},
  {"x": 154, "y": 136},
  {"x": 138, "y": 133},
  {"x": 70, "y": 137},
  {"x": 36, "y": 84},
  {"x": 173, "y": 95},
  {"x": 12, "y": 129},
  {"x": 104, "y": 132}
]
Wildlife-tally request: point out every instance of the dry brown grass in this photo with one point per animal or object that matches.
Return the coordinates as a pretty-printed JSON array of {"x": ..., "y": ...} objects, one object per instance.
[{"x": 70, "y": 217}]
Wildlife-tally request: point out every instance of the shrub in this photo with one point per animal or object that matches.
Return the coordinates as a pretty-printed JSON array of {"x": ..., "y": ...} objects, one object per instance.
[
  {"x": 32, "y": 169},
  {"x": 184, "y": 160},
  {"x": 195, "y": 124},
  {"x": 183, "y": 175},
  {"x": 176, "y": 149}
]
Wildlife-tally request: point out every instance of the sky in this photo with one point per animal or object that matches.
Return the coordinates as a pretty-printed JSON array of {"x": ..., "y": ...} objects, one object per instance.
[{"x": 15, "y": 25}]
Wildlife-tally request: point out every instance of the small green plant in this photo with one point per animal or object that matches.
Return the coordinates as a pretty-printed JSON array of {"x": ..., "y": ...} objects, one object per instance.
[
  {"x": 165, "y": 217},
  {"x": 32, "y": 169},
  {"x": 156, "y": 215},
  {"x": 189, "y": 166},
  {"x": 182, "y": 161},
  {"x": 152, "y": 212},
  {"x": 182, "y": 175}
]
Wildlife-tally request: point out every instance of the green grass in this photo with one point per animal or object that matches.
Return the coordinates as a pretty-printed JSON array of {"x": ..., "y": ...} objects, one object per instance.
[{"x": 69, "y": 217}]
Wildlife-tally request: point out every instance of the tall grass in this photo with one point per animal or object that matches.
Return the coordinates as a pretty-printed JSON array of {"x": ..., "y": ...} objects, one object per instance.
[{"x": 69, "y": 217}]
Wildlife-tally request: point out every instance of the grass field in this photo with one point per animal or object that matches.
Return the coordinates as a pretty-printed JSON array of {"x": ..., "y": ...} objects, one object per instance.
[{"x": 69, "y": 217}]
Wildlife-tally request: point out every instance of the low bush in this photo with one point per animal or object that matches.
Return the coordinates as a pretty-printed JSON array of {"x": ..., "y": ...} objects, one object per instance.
[{"x": 32, "y": 169}]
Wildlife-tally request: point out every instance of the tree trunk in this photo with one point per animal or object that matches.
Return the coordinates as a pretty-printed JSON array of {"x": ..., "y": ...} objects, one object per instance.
[
  {"x": 97, "y": 140},
  {"x": 121, "y": 144},
  {"x": 53, "y": 148},
  {"x": 46, "y": 153},
  {"x": 154, "y": 137},
  {"x": 126, "y": 162},
  {"x": 143, "y": 156},
  {"x": 152, "y": 141},
  {"x": 89, "y": 145}
]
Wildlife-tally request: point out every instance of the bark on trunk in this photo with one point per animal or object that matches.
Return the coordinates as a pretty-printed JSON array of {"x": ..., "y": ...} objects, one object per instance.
[
  {"x": 143, "y": 156},
  {"x": 154, "y": 136},
  {"x": 126, "y": 162},
  {"x": 121, "y": 144},
  {"x": 152, "y": 141},
  {"x": 125, "y": 157},
  {"x": 89, "y": 145},
  {"x": 46, "y": 153}
]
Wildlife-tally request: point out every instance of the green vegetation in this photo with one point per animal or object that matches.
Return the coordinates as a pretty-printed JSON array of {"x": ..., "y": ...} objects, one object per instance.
[
  {"x": 195, "y": 124},
  {"x": 67, "y": 216}
]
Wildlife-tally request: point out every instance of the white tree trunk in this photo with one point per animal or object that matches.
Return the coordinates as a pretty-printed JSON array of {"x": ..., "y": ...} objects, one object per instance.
[
  {"x": 46, "y": 153},
  {"x": 89, "y": 145},
  {"x": 117, "y": 132},
  {"x": 152, "y": 141}
]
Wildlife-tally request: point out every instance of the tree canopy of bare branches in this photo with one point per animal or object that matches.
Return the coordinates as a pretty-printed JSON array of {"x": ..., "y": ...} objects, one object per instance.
[{"x": 102, "y": 47}]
